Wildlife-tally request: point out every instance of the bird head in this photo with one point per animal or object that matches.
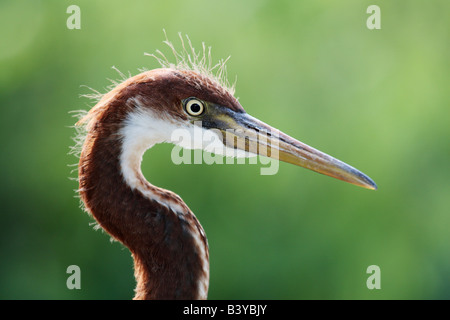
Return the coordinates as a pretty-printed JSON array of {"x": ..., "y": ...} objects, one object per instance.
[{"x": 170, "y": 105}]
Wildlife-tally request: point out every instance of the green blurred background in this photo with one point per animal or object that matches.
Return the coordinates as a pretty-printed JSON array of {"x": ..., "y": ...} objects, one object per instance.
[{"x": 376, "y": 99}]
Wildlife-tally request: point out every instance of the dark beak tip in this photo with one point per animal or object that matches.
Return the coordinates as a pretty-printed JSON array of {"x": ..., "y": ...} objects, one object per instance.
[
  {"x": 370, "y": 184},
  {"x": 373, "y": 187}
]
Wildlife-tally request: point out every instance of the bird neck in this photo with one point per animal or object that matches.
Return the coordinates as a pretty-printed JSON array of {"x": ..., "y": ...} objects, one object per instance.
[{"x": 167, "y": 242}]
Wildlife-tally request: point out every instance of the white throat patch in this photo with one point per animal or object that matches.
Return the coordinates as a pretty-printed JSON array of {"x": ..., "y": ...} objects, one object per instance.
[{"x": 143, "y": 129}]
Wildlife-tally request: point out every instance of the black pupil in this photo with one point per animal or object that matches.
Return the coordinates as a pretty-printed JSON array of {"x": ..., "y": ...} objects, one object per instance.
[{"x": 195, "y": 108}]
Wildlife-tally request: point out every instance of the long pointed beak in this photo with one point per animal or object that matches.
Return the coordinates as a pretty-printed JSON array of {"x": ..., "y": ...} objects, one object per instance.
[{"x": 252, "y": 135}]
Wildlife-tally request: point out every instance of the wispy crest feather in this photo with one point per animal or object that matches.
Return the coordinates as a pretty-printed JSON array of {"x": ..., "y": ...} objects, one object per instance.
[{"x": 201, "y": 62}]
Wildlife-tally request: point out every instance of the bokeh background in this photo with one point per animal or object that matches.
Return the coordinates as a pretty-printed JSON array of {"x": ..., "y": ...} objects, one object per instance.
[{"x": 376, "y": 99}]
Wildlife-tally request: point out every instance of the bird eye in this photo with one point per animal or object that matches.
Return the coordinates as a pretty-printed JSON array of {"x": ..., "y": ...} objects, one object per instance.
[{"x": 194, "y": 107}]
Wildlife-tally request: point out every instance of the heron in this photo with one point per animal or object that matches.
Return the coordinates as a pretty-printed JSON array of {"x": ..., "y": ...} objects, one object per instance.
[{"x": 167, "y": 242}]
